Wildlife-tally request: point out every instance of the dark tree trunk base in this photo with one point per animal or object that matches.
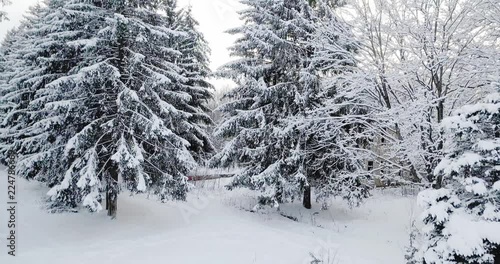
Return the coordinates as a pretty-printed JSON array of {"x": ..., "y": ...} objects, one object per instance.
[
  {"x": 107, "y": 199},
  {"x": 112, "y": 191},
  {"x": 112, "y": 207},
  {"x": 307, "y": 197}
]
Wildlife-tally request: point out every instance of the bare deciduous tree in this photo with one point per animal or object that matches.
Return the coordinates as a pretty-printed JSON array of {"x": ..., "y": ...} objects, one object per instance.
[{"x": 426, "y": 58}]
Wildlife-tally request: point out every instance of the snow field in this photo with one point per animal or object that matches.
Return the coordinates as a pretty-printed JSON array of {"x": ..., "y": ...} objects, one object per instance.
[{"x": 214, "y": 226}]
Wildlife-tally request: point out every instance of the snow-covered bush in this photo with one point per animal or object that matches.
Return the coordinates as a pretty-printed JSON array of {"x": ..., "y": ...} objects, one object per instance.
[{"x": 461, "y": 221}]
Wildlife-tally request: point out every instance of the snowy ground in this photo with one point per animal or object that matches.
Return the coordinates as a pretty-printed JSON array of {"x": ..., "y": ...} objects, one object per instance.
[{"x": 212, "y": 227}]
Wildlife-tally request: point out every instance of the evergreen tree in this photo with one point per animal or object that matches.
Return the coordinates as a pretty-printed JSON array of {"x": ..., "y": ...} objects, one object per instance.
[
  {"x": 10, "y": 64},
  {"x": 194, "y": 64},
  {"x": 9, "y": 61},
  {"x": 462, "y": 219},
  {"x": 119, "y": 109},
  {"x": 263, "y": 141},
  {"x": 339, "y": 124},
  {"x": 58, "y": 45},
  {"x": 129, "y": 135},
  {"x": 35, "y": 59},
  {"x": 272, "y": 121}
]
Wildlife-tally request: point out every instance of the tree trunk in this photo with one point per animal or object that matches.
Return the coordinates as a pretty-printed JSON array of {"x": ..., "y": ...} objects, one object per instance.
[
  {"x": 440, "y": 111},
  {"x": 112, "y": 191},
  {"x": 307, "y": 197},
  {"x": 107, "y": 199},
  {"x": 279, "y": 194},
  {"x": 438, "y": 183},
  {"x": 113, "y": 203}
]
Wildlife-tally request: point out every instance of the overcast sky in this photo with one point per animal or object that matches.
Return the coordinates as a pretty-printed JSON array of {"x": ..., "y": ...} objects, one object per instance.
[{"x": 215, "y": 17}]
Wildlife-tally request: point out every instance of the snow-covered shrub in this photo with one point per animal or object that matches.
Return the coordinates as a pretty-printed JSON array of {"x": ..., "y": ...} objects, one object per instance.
[{"x": 461, "y": 221}]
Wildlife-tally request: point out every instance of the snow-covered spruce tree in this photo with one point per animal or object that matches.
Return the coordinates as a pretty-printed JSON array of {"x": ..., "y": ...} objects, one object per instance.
[
  {"x": 340, "y": 123},
  {"x": 273, "y": 115},
  {"x": 10, "y": 64},
  {"x": 462, "y": 219},
  {"x": 194, "y": 64},
  {"x": 37, "y": 57},
  {"x": 58, "y": 39},
  {"x": 9, "y": 60},
  {"x": 116, "y": 110},
  {"x": 131, "y": 134},
  {"x": 262, "y": 142}
]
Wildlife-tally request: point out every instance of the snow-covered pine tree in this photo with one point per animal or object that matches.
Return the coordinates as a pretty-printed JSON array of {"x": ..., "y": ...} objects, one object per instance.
[
  {"x": 9, "y": 61},
  {"x": 265, "y": 139},
  {"x": 112, "y": 117},
  {"x": 10, "y": 64},
  {"x": 461, "y": 221},
  {"x": 339, "y": 123},
  {"x": 294, "y": 97},
  {"x": 58, "y": 44},
  {"x": 194, "y": 63},
  {"x": 33, "y": 62},
  {"x": 128, "y": 115}
]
